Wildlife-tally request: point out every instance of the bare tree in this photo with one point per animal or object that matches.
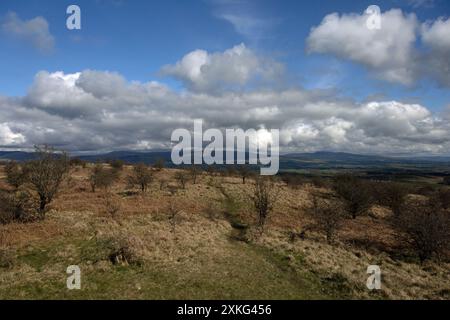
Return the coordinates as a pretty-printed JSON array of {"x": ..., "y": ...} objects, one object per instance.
[
  {"x": 264, "y": 197},
  {"x": 46, "y": 174},
  {"x": 442, "y": 197},
  {"x": 355, "y": 194},
  {"x": 142, "y": 176},
  {"x": 392, "y": 195},
  {"x": 425, "y": 226},
  {"x": 327, "y": 215}
]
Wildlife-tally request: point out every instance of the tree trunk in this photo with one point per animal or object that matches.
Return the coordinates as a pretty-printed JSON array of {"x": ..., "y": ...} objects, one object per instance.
[{"x": 42, "y": 204}]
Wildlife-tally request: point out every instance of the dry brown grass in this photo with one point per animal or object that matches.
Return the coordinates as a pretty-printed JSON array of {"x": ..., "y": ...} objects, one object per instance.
[{"x": 202, "y": 242}]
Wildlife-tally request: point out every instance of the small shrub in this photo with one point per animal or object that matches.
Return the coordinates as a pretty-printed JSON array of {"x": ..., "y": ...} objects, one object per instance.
[
  {"x": 264, "y": 197},
  {"x": 18, "y": 206},
  {"x": 112, "y": 205},
  {"x": 15, "y": 174},
  {"x": 102, "y": 177},
  {"x": 173, "y": 212},
  {"x": 127, "y": 250},
  {"x": 182, "y": 178}
]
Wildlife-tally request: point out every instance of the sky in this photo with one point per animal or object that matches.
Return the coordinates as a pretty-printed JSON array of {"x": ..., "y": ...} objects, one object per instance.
[{"x": 312, "y": 69}]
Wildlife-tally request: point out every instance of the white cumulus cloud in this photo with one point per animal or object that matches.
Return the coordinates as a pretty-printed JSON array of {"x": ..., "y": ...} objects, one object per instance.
[{"x": 232, "y": 69}]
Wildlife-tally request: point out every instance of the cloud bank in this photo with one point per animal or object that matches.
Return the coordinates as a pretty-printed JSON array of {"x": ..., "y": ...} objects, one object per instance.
[{"x": 96, "y": 110}]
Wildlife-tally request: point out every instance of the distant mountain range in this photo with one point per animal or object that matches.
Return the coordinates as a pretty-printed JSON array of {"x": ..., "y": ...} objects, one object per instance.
[{"x": 292, "y": 161}]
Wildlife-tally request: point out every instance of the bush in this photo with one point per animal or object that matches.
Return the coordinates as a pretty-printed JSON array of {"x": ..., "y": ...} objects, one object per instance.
[
  {"x": 355, "y": 194},
  {"x": 425, "y": 226},
  {"x": 127, "y": 250},
  {"x": 102, "y": 177},
  {"x": 182, "y": 178},
  {"x": 142, "y": 176},
  {"x": 117, "y": 164},
  {"x": 327, "y": 215},
  {"x": 17, "y": 206},
  {"x": 15, "y": 174},
  {"x": 112, "y": 205}
]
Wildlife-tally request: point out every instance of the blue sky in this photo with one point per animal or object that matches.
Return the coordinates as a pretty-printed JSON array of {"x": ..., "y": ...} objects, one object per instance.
[
  {"x": 136, "y": 38},
  {"x": 193, "y": 58}
]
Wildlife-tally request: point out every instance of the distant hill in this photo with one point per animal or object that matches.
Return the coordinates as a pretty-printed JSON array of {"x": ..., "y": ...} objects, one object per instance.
[
  {"x": 16, "y": 155},
  {"x": 316, "y": 160},
  {"x": 130, "y": 156}
]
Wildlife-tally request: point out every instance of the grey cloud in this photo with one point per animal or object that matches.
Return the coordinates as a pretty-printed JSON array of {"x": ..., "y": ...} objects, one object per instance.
[{"x": 35, "y": 30}]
